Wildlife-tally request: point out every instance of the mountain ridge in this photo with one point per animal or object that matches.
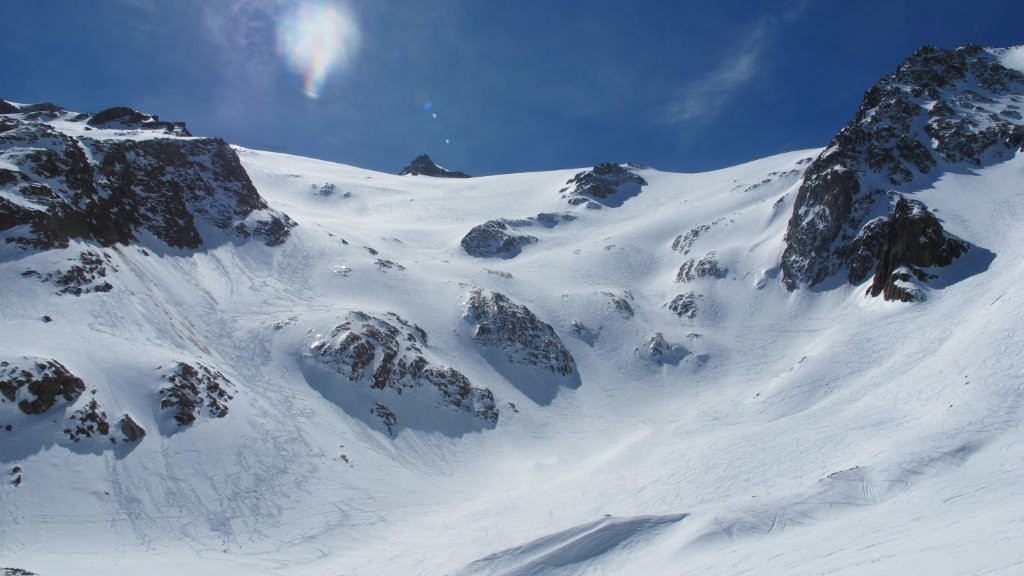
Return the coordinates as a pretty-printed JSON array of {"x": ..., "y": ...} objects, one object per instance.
[{"x": 633, "y": 389}]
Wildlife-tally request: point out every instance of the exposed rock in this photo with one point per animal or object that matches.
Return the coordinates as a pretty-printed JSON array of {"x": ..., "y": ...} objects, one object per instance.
[
  {"x": 386, "y": 416},
  {"x": 385, "y": 265},
  {"x": 551, "y": 219},
  {"x": 940, "y": 106},
  {"x": 685, "y": 305},
  {"x": 110, "y": 189},
  {"x": 385, "y": 357},
  {"x": 500, "y": 239},
  {"x": 706, "y": 267},
  {"x": 607, "y": 184},
  {"x": 684, "y": 242},
  {"x": 621, "y": 303},
  {"x": 522, "y": 340},
  {"x": 130, "y": 429},
  {"x": 913, "y": 240},
  {"x": 661, "y": 351},
  {"x": 37, "y": 384},
  {"x": 89, "y": 420},
  {"x": 422, "y": 165},
  {"x": 585, "y": 333},
  {"x": 87, "y": 277},
  {"x": 494, "y": 238},
  {"x": 127, "y": 118},
  {"x": 16, "y": 572},
  {"x": 194, "y": 391},
  {"x": 8, "y": 108}
]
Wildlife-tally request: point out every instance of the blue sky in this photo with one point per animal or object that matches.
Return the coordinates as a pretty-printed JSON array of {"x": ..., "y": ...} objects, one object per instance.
[{"x": 489, "y": 86}]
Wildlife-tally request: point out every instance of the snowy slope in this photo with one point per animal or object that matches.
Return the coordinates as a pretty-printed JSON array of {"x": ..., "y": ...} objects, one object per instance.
[
  {"x": 804, "y": 432},
  {"x": 832, "y": 429}
]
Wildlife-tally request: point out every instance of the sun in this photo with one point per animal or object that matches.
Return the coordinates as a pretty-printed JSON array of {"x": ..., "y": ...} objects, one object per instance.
[{"x": 316, "y": 38}]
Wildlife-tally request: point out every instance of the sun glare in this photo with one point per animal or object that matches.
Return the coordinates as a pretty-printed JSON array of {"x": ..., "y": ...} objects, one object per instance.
[{"x": 316, "y": 38}]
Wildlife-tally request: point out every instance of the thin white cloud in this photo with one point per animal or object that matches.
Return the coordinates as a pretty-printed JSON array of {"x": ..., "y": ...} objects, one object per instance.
[{"x": 704, "y": 98}]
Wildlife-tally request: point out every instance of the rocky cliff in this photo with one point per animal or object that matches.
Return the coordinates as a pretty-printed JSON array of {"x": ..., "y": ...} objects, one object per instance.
[
  {"x": 940, "y": 110},
  {"x": 119, "y": 175}
]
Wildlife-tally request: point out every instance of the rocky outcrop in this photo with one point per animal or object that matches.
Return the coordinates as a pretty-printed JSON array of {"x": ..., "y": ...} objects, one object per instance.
[
  {"x": 194, "y": 391},
  {"x": 685, "y": 305},
  {"x": 684, "y": 242},
  {"x": 522, "y": 341},
  {"x": 90, "y": 421},
  {"x": 500, "y": 238},
  {"x": 606, "y": 184},
  {"x": 422, "y": 165},
  {"x": 909, "y": 240},
  {"x": 940, "y": 108},
  {"x": 662, "y": 352},
  {"x": 385, "y": 359},
  {"x": 494, "y": 239},
  {"x": 130, "y": 429},
  {"x": 121, "y": 117},
  {"x": 706, "y": 267},
  {"x": 87, "y": 275},
  {"x": 123, "y": 174},
  {"x": 37, "y": 384}
]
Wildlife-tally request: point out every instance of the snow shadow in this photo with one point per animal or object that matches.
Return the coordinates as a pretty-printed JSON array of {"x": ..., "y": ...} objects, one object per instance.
[
  {"x": 570, "y": 550},
  {"x": 32, "y": 434},
  {"x": 536, "y": 383},
  {"x": 388, "y": 412}
]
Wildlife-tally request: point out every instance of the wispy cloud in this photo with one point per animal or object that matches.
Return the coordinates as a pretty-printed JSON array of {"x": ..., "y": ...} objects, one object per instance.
[{"x": 704, "y": 98}]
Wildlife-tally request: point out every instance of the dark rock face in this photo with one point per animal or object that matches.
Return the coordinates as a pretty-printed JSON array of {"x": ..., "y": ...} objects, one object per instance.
[
  {"x": 37, "y": 384},
  {"x": 110, "y": 189},
  {"x": 494, "y": 238},
  {"x": 422, "y": 165},
  {"x": 8, "y": 108},
  {"x": 911, "y": 239},
  {"x": 514, "y": 331},
  {"x": 684, "y": 242},
  {"x": 194, "y": 391},
  {"x": 500, "y": 239},
  {"x": 607, "y": 184},
  {"x": 940, "y": 108},
  {"x": 661, "y": 351},
  {"x": 386, "y": 356},
  {"x": 707, "y": 267},
  {"x": 621, "y": 303},
  {"x": 130, "y": 429},
  {"x": 90, "y": 421},
  {"x": 86, "y": 276},
  {"x": 121, "y": 117},
  {"x": 685, "y": 305}
]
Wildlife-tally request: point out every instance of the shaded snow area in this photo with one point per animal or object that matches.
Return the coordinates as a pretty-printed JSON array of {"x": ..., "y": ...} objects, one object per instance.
[{"x": 635, "y": 392}]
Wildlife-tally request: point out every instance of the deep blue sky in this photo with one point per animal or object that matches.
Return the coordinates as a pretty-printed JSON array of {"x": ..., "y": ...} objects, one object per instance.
[{"x": 516, "y": 86}]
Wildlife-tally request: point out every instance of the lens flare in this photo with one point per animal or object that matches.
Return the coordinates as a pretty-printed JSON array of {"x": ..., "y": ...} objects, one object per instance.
[{"x": 316, "y": 38}]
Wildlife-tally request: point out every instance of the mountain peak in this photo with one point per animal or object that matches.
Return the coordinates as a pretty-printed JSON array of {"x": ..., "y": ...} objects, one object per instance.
[
  {"x": 940, "y": 108},
  {"x": 422, "y": 165}
]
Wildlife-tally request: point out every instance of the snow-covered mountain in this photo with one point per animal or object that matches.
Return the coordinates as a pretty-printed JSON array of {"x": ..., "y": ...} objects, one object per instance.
[{"x": 225, "y": 360}]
